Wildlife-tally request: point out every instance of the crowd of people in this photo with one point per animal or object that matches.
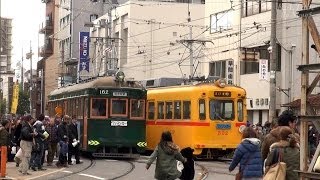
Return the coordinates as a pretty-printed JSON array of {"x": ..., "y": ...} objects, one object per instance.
[
  {"x": 32, "y": 142},
  {"x": 260, "y": 149}
]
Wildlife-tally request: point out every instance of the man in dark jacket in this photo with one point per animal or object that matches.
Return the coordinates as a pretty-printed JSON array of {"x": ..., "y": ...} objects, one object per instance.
[
  {"x": 38, "y": 147},
  {"x": 287, "y": 118},
  {"x": 73, "y": 141},
  {"x": 4, "y": 134},
  {"x": 27, "y": 135}
]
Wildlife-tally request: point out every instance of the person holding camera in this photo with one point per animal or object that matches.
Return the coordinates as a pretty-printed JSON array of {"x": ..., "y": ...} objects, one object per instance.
[{"x": 73, "y": 148}]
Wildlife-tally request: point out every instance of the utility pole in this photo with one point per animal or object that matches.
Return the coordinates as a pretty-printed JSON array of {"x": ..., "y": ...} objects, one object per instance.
[
  {"x": 152, "y": 21},
  {"x": 29, "y": 56},
  {"x": 273, "y": 58},
  {"x": 22, "y": 80},
  {"x": 191, "y": 43}
]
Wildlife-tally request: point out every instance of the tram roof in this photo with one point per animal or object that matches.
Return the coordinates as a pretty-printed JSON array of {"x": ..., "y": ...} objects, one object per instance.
[
  {"x": 102, "y": 82},
  {"x": 197, "y": 87}
]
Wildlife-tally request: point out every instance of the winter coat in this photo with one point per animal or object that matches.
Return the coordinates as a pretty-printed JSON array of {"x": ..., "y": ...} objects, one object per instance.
[
  {"x": 39, "y": 128},
  {"x": 4, "y": 136},
  {"x": 167, "y": 155},
  {"x": 53, "y": 133},
  {"x": 26, "y": 131},
  {"x": 273, "y": 137},
  {"x": 73, "y": 132},
  {"x": 249, "y": 155},
  {"x": 17, "y": 134},
  {"x": 62, "y": 131},
  {"x": 63, "y": 148},
  {"x": 291, "y": 156}
]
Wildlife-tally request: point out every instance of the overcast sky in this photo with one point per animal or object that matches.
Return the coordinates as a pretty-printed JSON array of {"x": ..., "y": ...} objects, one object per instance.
[{"x": 27, "y": 16}]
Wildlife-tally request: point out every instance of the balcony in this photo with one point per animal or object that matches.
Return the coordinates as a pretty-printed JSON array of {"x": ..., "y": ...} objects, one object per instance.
[
  {"x": 45, "y": 51},
  {"x": 46, "y": 27}
]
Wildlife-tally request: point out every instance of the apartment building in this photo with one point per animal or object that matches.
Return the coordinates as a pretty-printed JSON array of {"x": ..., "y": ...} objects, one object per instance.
[
  {"x": 241, "y": 33},
  {"x": 47, "y": 67},
  {"x": 146, "y": 41},
  {"x": 6, "y": 73}
]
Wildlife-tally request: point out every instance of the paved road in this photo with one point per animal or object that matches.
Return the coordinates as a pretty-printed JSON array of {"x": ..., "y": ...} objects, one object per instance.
[{"x": 103, "y": 169}]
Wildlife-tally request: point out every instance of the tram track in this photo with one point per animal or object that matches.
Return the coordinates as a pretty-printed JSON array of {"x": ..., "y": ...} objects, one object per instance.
[
  {"x": 91, "y": 165},
  {"x": 132, "y": 167}
]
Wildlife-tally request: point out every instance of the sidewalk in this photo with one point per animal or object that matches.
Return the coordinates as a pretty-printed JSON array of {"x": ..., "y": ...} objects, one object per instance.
[{"x": 14, "y": 174}]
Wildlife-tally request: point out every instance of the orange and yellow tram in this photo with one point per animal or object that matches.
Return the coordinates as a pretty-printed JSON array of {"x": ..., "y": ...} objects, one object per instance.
[{"x": 207, "y": 117}]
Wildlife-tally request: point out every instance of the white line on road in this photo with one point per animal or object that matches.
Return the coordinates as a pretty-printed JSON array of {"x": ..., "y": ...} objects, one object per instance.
[
  {"x": 95, "y": 177},
  {"x": 46, "y": 174},
  {"x": 67, "y": 171}
]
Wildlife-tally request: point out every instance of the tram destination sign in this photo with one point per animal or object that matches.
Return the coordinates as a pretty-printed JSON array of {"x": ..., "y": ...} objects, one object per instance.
[
  {"x": 122, "y": 94},
  {"x": 222, "y": 93}
]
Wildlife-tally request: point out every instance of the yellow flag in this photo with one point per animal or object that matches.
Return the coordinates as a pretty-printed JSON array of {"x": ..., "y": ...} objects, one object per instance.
[{"x": 15, "y": 98}]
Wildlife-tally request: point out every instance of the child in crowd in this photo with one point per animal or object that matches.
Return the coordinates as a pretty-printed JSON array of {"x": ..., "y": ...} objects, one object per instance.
[{"x": 63, "y": 152}]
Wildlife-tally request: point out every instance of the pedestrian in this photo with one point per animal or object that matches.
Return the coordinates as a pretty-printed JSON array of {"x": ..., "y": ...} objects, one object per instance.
[
  {"x": 38, "y": 147},
  {"x": 27, "y": 135},
  {"x": 4, "y": 134},
  {"x": 286, "y": 119},
  {"x": 288, "y": 150},
  {"x": 73, "y": 141},
  {"x": 248, "y": 154},
  {"x": 52, "y": 140},
  {"x": 188, "y": 167},
  {"x": 17, "y": 136},
  {"x": 167, "y": 153},
  {"x": 62, "y": 162}
]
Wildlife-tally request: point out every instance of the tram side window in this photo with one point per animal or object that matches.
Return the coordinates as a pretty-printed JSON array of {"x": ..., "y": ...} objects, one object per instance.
[
  {"x": 240, "y": 110},
  {"x": 119, "y": 107},
  {"x": 98, "y": 107},
  {"x": 202, "y": 109},
  {"x": 186, "y": 109},
  {"x": 160, "y": 110},
  {"x": 169, "y": 109},
  {"x": 177, "y": 110},
  {"x": 151, "y": 110},
  {"x": 137, "y": 108}
]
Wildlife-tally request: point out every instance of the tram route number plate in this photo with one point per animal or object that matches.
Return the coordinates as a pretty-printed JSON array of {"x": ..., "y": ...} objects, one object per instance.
[
  {"x": 119, "y": 123},
  {"x": 223, "y": 126}
]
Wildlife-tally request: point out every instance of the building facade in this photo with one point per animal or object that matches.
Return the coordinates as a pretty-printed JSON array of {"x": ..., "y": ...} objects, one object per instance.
[
  {"x": 73, "y": 14},
  {"x": 144, "y": 42},
  {"x": 241, "y": 33},
  {"x": 6, "y": 73}
]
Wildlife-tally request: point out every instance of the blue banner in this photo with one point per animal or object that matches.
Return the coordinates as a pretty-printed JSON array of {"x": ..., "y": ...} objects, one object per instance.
[{"x": 84, "y": 41}]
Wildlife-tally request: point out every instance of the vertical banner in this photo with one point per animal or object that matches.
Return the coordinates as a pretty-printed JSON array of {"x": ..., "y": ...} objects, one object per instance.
[
  {"x": 15, "y": 98},
  {"x": 229, "y": 70},
  {"x": 84, "y": 41},
  {"x": 263, "y": 69}
]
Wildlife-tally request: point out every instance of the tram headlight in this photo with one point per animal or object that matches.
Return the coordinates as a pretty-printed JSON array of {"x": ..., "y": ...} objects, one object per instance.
[{"x": 241, "y": 128}]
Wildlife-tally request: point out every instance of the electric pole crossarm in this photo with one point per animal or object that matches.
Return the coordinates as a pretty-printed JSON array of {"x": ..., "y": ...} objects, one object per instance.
[
  {"x": 309, "y": 12},
  {"x": 314, "y": 33}
]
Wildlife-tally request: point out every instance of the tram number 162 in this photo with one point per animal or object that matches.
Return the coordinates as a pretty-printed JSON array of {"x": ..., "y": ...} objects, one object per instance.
[{"x": 222, "y": 133}]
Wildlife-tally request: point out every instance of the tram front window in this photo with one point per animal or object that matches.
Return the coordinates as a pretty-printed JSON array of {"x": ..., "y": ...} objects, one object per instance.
[
  {"x": 119, "y": 107},
  {"x": 221, "y": 110}
]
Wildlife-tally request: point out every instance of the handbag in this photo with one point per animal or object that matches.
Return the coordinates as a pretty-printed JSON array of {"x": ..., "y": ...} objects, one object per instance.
[
  {"x": 179, "y": 166},
  {"x": 277, "y": 171},
  {"x": 239, "y": 174}
]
